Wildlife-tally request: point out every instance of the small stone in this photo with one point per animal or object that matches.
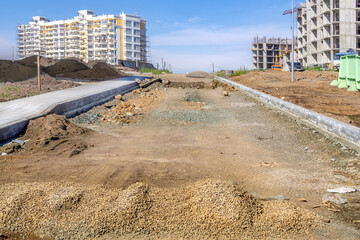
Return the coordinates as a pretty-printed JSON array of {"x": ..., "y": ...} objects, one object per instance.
[
  {"x": 124, "y": 104},
  {"x": 356, "y": 221},
  {"x": 4, "y": 154},
  {"x": 226, "y": 93},
  {"x": 326, "y": 220},
  {"x": 118, "y": 97},
  {"x": 316, "y": 206},
  {"x": 129, "y": 114},
  {"x": 307, "y": 148},
  {"x": 302, "y": 200}
]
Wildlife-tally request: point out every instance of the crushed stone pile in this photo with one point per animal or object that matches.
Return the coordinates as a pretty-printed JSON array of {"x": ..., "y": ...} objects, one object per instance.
[
  {"x": 199, "y": 74},
  {"x": 128, "y": 111},
  {"x": 54, "y": 133},
  {"x": 207, "y": 209}
]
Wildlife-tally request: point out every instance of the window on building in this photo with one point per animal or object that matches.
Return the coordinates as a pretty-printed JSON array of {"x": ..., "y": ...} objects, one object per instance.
[
  {"x": 129, "y": 46},
  {"x": 129, "y": 54},
  {"x": 358, "y": 43},
  {"x": 128, "y": 31},
  {"x": 136, "y": 24},
  {"x": 137, "y": 47},
  {"x": 136, "y": 32},
  {"x": 129, "y": 39},
  {"x": 136, "y": 39},
  {"x": 128, "y": 23}
]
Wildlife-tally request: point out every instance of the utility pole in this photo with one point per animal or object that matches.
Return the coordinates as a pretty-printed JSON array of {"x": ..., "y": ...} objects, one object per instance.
[
  {"x": 38, "y": 69},
  {"x": 292, "y": 11},
  {"x": 213, "y": 68},
  {"x": 292, "y": 44},
  {"x": 162, "y": 64},
  {"x": 13, "y": 54}
]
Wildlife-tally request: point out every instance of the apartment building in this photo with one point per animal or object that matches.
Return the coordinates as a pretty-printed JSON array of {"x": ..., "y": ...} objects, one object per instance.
[
  {"x": 265, "y": 50},
  {"x": 88, "y": 37},
  {"x": 326, "y": 27}
]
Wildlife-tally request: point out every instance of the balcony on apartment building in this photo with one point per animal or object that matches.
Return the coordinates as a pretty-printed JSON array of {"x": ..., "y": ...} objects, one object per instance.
[{"x": 336, "y": 4}]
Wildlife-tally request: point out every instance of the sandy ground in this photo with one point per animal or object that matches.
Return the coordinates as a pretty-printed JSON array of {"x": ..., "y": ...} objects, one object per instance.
[
  {"x": 196, "y": 134},
  {"x": 311, "y": 90}
]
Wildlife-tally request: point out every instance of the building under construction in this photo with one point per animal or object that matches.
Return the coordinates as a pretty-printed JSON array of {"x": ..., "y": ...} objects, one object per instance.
[{"x": 267, "y": 51}]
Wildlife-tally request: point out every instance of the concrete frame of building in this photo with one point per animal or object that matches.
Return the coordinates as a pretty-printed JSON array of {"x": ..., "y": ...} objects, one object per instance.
[
  {"x": 88, "y": 37},
  {"x": 327, "y": 27},
  {"x": 265, "y": 50}
]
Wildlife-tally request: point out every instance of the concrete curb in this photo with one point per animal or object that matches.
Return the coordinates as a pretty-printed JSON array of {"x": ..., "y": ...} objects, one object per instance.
[
  {"x": 69, "y": 107},
  {"x": 346, "y": 132}
]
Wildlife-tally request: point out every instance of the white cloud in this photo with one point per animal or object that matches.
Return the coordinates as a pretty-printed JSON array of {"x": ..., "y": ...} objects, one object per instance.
[
  {"x": 197, "y": 48},
  {"x": 193, "y": 19}
]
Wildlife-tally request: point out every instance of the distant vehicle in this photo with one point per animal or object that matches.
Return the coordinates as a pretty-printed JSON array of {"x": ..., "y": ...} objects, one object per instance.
[
  {"x": 297, "y": 66},
  {"x": 336, "y": 61}
]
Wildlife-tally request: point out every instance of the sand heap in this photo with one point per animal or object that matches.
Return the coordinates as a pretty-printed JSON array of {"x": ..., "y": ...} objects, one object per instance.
[
  {"x": 207, "y": 209},
  {"x": 55, "y": 133}
]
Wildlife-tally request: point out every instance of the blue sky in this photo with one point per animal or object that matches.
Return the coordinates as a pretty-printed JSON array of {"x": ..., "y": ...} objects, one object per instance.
[{"x": 190, "y": 35}]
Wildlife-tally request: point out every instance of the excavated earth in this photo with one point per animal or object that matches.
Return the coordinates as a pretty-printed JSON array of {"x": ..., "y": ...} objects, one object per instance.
[
  {"x": 311, "y": 90},
  {"x": 177, "y": 160}
]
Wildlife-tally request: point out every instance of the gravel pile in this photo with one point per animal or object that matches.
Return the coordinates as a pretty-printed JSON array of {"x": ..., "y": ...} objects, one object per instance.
[{"x": 207, "y": 209}]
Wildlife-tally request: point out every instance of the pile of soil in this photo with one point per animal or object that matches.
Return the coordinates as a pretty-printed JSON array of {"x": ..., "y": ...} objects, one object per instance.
[
  {"x": 54, "y": 133},
  {"x": 199, "y": 74},
  {"x": 208, "y": 209},
  {"x": 71, "y": 68},
  {"x": 15, "y": 90},
  {"x": 65, "y": 66},
  {"x": 310, "y": 90},
  {"x": 15, "y": 71},
  {"x": 100, "y": 71}
]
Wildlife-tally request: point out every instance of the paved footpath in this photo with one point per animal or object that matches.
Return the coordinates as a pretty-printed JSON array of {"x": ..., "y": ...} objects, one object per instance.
[{"x": 15, "y": 115}]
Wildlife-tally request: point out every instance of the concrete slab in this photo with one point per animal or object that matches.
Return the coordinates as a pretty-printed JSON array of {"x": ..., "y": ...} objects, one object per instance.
[{"x": 16, "y": 114}]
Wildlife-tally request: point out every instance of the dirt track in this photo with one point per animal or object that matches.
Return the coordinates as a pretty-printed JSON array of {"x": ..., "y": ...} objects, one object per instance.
[
  {"x": 197, "y": 134},
  {"x": 311, "y": 90}
]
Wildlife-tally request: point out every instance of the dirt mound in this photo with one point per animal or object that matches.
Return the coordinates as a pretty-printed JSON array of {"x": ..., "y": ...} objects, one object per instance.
[
  {"x": 207, "y": 209},
  {"x": 71, "y": 68},
  {"x": 199, "y": 75},
  {"x": 32, "y": 61},
  {"x": 100, "y": 71},
  {"x": 14, "y": 71},
  {"x": 65, "y": 66},
  {"x": 310, "y": 90},
  {"x": 29, "y": 61},
  {"x": 54, "y": 133}
]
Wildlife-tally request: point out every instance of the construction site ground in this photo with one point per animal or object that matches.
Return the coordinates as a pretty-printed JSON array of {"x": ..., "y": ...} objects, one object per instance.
[
  {"x": 170, "y": 162},
  {"x": 310, "y": 90}
]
